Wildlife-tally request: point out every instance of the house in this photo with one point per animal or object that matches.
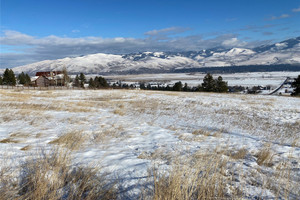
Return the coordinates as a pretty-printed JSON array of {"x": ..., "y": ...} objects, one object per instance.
[
  {"x": 40, "y": 81},
  {"x": 55, "y": 78}
]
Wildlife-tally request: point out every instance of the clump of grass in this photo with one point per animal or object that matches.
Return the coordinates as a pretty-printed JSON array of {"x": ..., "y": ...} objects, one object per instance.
[
  {"x": 9, "y": 140},
  {"x": 119, "y": 112},
  {"x": 71, "y": 140},
  {"x": 265, "y": 156},
  {"x": 49, "y": 176},
  {"x": 201, "y": 132},
  {"x": 240, "y": 154},
  {"x": 27, "y": 147},
  {"x": 199, "y": 177},
  {"x": 105, "y": 134}
]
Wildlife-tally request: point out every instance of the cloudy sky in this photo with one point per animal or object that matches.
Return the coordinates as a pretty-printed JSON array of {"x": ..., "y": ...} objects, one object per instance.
[{"x": 36, "y": 30}]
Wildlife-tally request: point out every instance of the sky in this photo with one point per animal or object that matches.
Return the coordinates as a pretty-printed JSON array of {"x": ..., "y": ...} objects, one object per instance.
[{"x": 36, "y": 30}]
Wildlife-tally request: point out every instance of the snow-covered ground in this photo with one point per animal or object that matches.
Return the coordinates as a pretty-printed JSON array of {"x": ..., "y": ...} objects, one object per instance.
[
  {"x": 194, "y": 79},
  {"x": 126, "y": 131}
]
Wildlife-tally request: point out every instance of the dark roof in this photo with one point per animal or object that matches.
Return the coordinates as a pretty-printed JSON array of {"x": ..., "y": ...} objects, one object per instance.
[{"x": 47, "y": 74}]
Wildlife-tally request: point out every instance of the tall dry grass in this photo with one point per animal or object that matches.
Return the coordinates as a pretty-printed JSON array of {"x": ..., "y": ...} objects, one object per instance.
[
  {"x": 50, "y": 176},
  {"x": 265, "y": 156},
  {"x": 71, "y": 140},
  {"x": 199, "y": 177}
]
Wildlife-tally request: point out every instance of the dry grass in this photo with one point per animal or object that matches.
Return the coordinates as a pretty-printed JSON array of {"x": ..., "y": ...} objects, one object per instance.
[
  {"x": 199, "y": 178},
  {"x": 20, "y": 134},
  {"x": 49, "y": 176},
  {"x": 120, "y": 112},
  {"x": 9, "y": 140},
  {"x": 240, "y": 154},
  {"x": 265, "y": 156},
  {"x": 201, "y": 132},
  {"x": 160, "y": 154},
  {"x": 50, "y": 106},
  {"x": 26, "y": 148},
  {"x": 105, "y": 134},
  {"x": 71, "y": 140}
]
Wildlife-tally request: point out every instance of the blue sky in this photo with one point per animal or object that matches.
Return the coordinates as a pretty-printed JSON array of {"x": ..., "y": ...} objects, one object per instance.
[{"x": 35, "y": 30}]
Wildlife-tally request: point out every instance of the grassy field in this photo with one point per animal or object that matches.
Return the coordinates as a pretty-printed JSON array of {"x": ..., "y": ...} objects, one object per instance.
[{"x": 130, "y": 144}]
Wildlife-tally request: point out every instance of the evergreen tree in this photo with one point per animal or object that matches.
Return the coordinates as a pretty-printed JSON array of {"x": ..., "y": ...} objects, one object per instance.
[
  {"x": 91, "y": 83},
  {"x": 96, "y": 82},
  {"x": 221, "y": 86},
  {"x": 185, "y": 87},
  {"x": 177, "y": 86},
  {"x": 27, "y": 79},
  {"x": 82, "y": 79},
  {"x": 76, "y": 81},
  {"x": 22, "y": 78},
  {"x": 9, "y": 77},
  {"x": 296, "y": 85},
  {"x": 12, "y": 77},
  {"x": 103, "y": 82},
  {"x": 209, "y": 84},
  {"x": 1, "y": 80},
  {"x": 6, "y": 77},
  {"x": 142, "y": 86},
  {"x": 100, "y": 82}
]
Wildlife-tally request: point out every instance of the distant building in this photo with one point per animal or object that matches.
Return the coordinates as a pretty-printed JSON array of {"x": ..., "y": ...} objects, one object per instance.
[
  {"x": 55, "y": 78},
  {"x": 40, "y": 81}
]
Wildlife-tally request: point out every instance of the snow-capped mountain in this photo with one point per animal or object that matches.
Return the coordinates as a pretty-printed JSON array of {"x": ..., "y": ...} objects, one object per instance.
[{"x": 286, "y": 52}]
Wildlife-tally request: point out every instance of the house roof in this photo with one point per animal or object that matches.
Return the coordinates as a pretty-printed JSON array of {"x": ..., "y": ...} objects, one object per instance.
[
  {"x": 49, "y": 73},
  {"x": 34, "y": 78}
]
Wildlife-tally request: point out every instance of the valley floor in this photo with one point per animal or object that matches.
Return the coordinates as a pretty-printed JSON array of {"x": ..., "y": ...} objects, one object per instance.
[{"x": 129, "y": 132}]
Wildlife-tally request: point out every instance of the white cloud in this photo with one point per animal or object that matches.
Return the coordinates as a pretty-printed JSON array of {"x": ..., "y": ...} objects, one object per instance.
[
  {"x": 233, "y": 42},
  {"x": 279, "y": 17},
  {"x": 54, "y": 47},
  {"x": 167, "y": 31},
  {"x": 15, "y": 38},
  {"x": 75, "y": 31},
  {"x": 296, "y": 9}
]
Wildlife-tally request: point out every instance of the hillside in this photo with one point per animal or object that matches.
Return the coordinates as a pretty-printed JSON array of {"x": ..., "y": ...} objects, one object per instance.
[{"x": 283, "y": 53}]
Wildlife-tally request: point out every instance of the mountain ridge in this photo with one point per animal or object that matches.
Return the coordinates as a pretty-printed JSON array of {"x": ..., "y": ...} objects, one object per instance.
[{"x": 285, "y": 52}]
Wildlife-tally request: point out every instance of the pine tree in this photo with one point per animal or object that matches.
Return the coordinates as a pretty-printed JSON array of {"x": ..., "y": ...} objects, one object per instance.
[
  {"x": 9, "y": 77},
  {"x": 76, "y": 81},
  {"x": 82, "y": 79},
  {"x": 12, "y": 77},
  {"x": 296, "y": 85},
  {"x": 185, "y": 87},
  {"x": 27, "y": 79},
  {"x": 1, "y": 80},
  {"x": 22, "y": 78},
  {"x": 91, "y": 83},
  {"x": 103, "y": 82},
  {"x": 6, "y": 77},
  {"x": 209, "y": 84},
  {"x": 177, "y": 86},
  {"x": 221, "y": 86}
]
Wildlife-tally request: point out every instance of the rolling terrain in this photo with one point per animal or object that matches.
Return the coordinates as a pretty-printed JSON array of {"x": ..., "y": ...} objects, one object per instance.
[{"x": 263, "y": 58}]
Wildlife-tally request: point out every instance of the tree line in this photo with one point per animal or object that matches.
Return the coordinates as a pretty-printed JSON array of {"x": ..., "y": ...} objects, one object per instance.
[
  {"x": 9, "y": 78},
  {"x": 209, "y": 83},
  {"x": 97, "y": 82}
]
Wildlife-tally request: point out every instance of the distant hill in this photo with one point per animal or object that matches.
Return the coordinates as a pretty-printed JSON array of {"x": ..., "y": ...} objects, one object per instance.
[{"x": 282, "y": 55}]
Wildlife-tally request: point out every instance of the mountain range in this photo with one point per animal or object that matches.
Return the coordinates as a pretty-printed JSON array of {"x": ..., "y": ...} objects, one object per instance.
[{"x": 283, "y": 53}]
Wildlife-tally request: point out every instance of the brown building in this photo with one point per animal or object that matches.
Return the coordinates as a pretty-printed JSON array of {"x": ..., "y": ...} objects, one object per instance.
[
  {"x": 54, "y": 78},
  {"x": 40, "y": 81}
]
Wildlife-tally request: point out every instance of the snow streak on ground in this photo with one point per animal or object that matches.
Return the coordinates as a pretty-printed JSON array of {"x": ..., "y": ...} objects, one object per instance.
[{"x": 126, "y": 131}]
